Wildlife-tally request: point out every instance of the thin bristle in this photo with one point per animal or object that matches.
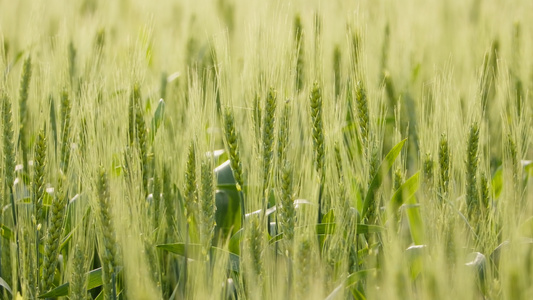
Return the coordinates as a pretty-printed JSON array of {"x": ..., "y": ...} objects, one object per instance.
[{"x": 78, "y": 278}]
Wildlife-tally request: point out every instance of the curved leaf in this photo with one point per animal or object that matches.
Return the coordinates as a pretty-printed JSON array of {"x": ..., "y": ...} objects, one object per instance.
[
  {"x": 234, "y": 242},
  {"x": 94, "y": 279},
  {"x": 5, "y": 285},
  {"x": 415, "y": 256},
  {"x": 224, "y": 174},
  {"x": 6, "y": 232},
  {"x": 158, "y": 116},
  {"x": 406, "y": 191},
  {"x": 416, "y": 226},
  {"x": 385, "y": 166},
  {"x": 278, "y": 237},
  {"x": 356, "y": 276},
  {"x": 348, "y": 282}
]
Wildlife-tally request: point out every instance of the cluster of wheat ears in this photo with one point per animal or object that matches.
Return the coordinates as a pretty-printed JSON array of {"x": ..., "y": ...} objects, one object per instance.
[{"x": 228, "y": 149}]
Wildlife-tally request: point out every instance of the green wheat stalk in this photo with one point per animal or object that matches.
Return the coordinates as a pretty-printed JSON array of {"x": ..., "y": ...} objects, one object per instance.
[
  {"x": 190, "y": 190},
  {"x": 232, "y": 146},
  {"x": 256, "y": 117},
  {"x": 287, "y": 213},
  {"x": 283, "y": 131},
  {"x": 78, "y": 278},
  {"x": 53, "y": 122},
  {"x": 303, "y": 266},
  {"x": 66, "y": 108},
  {"x": 444, "y": 164},
  {"x": 389, "y": 88},
  {"x": 472, "y": 196},
  {"x": 53, "y": 236},
  {"x": 9, "y": 150},
  {"x": 255, "y": 248},
  {"x": 428, "y": 169},
  {"x": 109, "y": 250},
  {"x": 489, "y": 74},
  {"x": 135, "y": 100},
  {"x": 317, "y": 25},
  {"x": 168, "y": 200},
  {"x": 318, "y": 140},
  {"x": 71, "y": 61},
  {"x": 23, "y": 112},
  {"x": 513, "y": 156},
  {"x": 39, "y": 170},
  {"x": 484, "y": 191},
  {"x": 355, "y": 46},
  {"x": 373, "y": 160},
  {"x": 385, "y": 47},
  {"x": 208, "y": 208},
  {"x": 299, "y": 46},
  {"x": 514, "y": 165},
  {"x": 28, "y": 269},
  {"x": 398, "y": 180},
  {"x": 9, "y": 165},
  {"x": 342, "y": 199},
  {"x": 268, "y": 142},
  {"x": 337, "y": 61},
  {"x": 39, "y": 189},
  {"x": 318, "y": 128},
  {"x": 140, "y": 127}
]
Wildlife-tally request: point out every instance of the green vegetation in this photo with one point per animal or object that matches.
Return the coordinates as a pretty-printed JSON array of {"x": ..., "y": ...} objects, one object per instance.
[{"x": 266, "y": 149}]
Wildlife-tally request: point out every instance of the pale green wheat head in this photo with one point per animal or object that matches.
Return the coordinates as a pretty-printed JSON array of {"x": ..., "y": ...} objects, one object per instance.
[{"x": 315, "y": 99}]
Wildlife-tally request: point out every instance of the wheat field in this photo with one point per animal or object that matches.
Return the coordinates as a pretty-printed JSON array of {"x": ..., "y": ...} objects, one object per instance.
[{"x": 305, "y": 149}]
